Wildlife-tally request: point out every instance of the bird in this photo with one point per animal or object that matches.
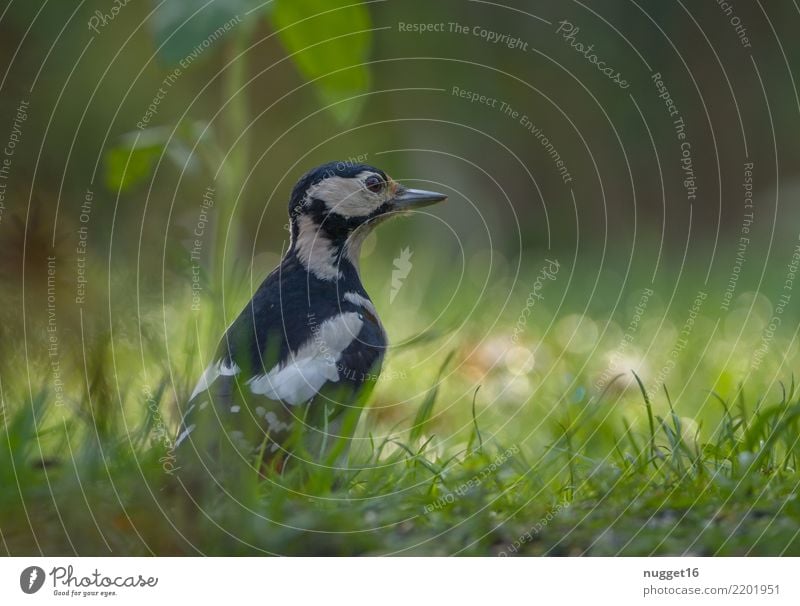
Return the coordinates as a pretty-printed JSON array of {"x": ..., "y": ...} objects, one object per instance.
[{"x": 310, "y": 341}]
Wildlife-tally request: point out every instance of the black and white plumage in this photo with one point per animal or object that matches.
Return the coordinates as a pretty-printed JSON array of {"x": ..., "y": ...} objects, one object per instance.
[{"x": 310, "y": 336}]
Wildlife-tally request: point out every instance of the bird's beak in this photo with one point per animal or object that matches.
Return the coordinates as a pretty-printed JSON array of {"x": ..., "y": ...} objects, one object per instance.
[{"x": 407, "y": 199}]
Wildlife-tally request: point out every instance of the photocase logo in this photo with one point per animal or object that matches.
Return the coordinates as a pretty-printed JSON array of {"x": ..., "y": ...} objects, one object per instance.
[
  {"x": 402, "y": 267},
  {"x": 31, "y": 579}
]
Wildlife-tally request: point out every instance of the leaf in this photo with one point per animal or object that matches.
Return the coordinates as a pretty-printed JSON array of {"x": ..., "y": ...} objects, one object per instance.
[
  {"x": 131, "y": 161},
  {"x": 325, "y": 36},
  {"x": 187, "y": 29},
  {"x": 125, "y": 167}
]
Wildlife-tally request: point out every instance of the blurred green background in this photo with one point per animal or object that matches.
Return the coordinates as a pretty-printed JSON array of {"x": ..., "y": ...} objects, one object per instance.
[{"x": 545, "y": 290}]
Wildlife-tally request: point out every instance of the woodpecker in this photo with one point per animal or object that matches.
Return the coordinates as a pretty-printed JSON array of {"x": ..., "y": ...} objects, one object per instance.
[{"x": 310, "y": 338}]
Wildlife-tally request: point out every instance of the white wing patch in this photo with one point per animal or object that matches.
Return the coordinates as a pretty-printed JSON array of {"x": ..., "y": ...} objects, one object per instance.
[
  {"x": 299, "y": 378},
  {"x": 210, "y": 375}
]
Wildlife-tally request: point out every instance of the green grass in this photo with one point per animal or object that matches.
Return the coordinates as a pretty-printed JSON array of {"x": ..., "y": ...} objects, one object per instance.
[
  {"x": 657, "y": 491},
  {"x": 461, "y": 450}
]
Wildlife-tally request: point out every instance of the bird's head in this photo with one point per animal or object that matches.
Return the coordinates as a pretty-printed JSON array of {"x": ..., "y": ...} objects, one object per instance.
[{"x": 334, "y": 207}]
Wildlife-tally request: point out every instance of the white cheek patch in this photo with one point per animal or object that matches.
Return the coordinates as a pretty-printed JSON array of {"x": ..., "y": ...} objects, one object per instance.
[
  {"x": 315, "y": 251},
  {"x": 347, "y": 197},
  {"x": 315, "y": 363}
]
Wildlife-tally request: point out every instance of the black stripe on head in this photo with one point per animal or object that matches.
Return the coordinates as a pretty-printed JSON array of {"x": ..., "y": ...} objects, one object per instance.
[
  {"x": 336, "y": 227},
  {"x": 340, "y": 168}
]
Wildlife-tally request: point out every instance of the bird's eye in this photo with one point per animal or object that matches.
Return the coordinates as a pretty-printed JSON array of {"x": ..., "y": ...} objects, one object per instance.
[{"x": 374, "y": 184}]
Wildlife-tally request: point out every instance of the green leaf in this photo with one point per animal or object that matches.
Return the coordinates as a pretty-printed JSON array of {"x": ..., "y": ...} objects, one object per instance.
[
  {"x": 325, "y": 36},
  {"x": 131, "y": 161},
  {"x": 126, "y": 165},
  {"x": 189, "y": 28}
]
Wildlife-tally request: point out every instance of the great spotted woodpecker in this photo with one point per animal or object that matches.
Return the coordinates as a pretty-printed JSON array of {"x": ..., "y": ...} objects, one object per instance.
[{"x": 310, "y": 337}]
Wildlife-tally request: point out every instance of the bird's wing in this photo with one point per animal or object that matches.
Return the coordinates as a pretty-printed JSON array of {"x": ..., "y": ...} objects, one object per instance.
[
  {"x": 225, "y": 421},
  {"x": 317, "y": 362},
  {"x": 247, "y": 401}
]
